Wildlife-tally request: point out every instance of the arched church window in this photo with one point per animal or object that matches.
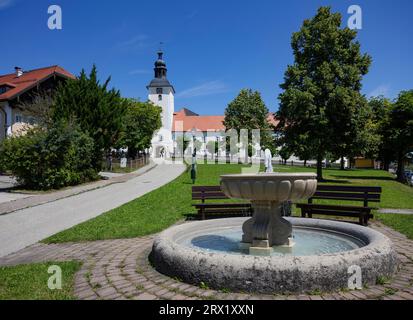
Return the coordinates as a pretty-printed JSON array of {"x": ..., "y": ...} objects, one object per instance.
[{"x": 160, "y": 97}]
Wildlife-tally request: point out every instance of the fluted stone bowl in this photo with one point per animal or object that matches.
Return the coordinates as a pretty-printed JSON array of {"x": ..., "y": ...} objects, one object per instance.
[{"x": 277, "y": 187}]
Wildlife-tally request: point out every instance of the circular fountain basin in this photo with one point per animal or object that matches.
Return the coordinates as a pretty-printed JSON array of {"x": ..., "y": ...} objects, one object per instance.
[{"x": 210, "y": 252}]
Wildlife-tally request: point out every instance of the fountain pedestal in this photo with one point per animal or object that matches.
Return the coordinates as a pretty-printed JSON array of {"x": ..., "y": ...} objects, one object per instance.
[{"x": 267, "y": 228}]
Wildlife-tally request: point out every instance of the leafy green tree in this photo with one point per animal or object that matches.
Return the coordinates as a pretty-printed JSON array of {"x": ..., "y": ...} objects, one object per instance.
[
  {"x": 321, "y": 90},
  {"x": 212, "y": 147},
  {"x": 141, "y": 121},
  {"x": 182, "y": 143},
  {"x": 381, "y": 108},
  {"x": 197, "y": 144},
  {"x": 401, "y": 123},
  {"x": 285, "y": 153},
  {"x": 248, "y": 111},
  {"x": 97, "y": 109}
]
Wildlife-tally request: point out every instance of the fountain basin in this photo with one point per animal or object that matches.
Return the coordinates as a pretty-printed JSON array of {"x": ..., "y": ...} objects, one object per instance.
[{"x": 283, "y": 272}]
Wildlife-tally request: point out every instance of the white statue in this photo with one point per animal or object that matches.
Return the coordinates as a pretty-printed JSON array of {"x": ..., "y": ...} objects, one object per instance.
[{"x": 268, "y": 161}]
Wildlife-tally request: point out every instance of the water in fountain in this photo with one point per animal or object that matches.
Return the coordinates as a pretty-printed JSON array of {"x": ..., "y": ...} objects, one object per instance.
[{"x": 308, "y": 241}]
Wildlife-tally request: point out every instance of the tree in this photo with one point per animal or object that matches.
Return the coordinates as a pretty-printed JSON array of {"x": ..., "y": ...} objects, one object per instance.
[
  {"x": 401, "y": 123},
  {"x": 141, "y": 121},
  {"x": 381, "y": 109},
  {"x": 40, "y": 108},
  {"x": 248, "y": 111},
  {"x": 321, "y": 90},
  {"x": 98, "y": 110},
  {"x": 285, "y": 153},
  {"x": 212, "y": 147}
]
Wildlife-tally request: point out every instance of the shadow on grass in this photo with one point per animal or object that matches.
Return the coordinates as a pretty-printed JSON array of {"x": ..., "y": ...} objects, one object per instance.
[
  {"x": 364, "y": 178},
  {"x": 334, "y": 181}
]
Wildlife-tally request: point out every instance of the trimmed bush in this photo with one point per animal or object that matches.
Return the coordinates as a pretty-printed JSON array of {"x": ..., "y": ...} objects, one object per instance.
[{"x": 49, "y": 159}]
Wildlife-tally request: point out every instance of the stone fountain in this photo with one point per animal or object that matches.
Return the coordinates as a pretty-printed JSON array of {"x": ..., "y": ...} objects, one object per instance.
[
  {"x": 258, "y": 254},
  {"x": 267, "y": 191}
]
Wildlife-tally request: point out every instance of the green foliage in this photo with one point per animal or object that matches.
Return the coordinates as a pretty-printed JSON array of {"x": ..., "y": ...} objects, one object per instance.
[
  {"x": 285, "y": 153},
  {"x": 248, "y": 111},
  {"x": 401, "y": 124},
  {"x": 98, "y": 110},
  {"x": 182, "y": 143},
  {"x": 381, "y": 109},
  {"x": 197, "y": 144},
  {"x": 141, "y": 120},
  {"x": 212, "y": 147},
  {"x": 321, "y": 105},
  {"x": 203, "y": 286},
  {"x": 49, "y": 159}
]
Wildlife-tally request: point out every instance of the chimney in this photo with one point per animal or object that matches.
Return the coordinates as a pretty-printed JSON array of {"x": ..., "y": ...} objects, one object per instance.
[{"x": 19, "y": 71}]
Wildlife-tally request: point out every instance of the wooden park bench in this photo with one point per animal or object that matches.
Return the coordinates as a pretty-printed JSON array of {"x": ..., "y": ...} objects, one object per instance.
[
  {"x": 206, "y": 208},
  {"x": 342, "y": 193}
]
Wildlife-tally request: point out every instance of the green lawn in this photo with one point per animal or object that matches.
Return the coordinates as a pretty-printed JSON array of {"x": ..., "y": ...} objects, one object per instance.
[
  {"x": 163, "y": 207},
  {"x": 399, "y": 222},
  {"x": 29, "y": 282}
]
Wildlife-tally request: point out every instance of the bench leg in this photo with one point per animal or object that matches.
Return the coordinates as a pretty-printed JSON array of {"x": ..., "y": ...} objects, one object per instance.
[
  {"x": 202, "y": 214},
  {"x": 303, "y": 213}
]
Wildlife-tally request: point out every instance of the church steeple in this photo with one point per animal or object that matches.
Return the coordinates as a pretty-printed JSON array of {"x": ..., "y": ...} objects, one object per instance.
[
  {"x": 160, "y": 80},
  {"x": 160, "y": 66}
]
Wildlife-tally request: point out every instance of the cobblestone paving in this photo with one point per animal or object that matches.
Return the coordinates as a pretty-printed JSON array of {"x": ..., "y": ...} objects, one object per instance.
[{"x": 119, "y": 270}]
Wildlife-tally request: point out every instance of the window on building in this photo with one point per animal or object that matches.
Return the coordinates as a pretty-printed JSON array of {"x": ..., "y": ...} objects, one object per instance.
[
  {"x": 160, "y": 138},
  {"x": 3, "y": 89},
  {"x": 160, "y": 97},
  {"x": 159, "y": 90}
]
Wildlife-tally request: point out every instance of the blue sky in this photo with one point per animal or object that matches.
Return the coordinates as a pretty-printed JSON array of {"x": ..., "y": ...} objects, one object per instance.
[{"x": 212, "y": 48}]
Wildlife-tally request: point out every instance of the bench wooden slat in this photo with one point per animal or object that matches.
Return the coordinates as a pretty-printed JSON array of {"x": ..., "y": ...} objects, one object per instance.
[
  {"x": 208, "y": 194},
  {"x": 347, "y": 195}
]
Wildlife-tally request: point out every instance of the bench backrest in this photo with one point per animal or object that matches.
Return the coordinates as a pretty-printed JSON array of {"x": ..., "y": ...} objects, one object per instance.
[
  {"x": 349, "y": 193},
  {"x": 207, "y": 192}
]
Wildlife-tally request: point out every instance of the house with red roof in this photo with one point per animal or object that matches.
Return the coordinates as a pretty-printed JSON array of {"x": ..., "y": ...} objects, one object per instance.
[{"x": 21, "y": 86}]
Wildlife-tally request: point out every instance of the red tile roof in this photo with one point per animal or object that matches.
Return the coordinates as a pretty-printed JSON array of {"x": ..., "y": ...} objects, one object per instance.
[
  {"x": 28, "y": 80},
  {"x": 192, "y": 121}
]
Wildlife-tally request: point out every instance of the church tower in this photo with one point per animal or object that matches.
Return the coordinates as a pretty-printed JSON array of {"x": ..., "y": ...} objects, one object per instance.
[{"x": 161, "y": 93}]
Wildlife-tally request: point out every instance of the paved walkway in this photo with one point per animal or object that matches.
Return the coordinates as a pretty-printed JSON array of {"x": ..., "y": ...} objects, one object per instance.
[
  {"x": 28, "y": 226},
  {"x": 119, "y": 269},
  {"x": 10, "y": 202},
  {"x": 396, "y": 211}
]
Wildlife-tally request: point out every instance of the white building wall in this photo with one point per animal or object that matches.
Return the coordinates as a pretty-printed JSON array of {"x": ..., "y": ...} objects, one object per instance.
[{"x": 163, "y": 137}]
